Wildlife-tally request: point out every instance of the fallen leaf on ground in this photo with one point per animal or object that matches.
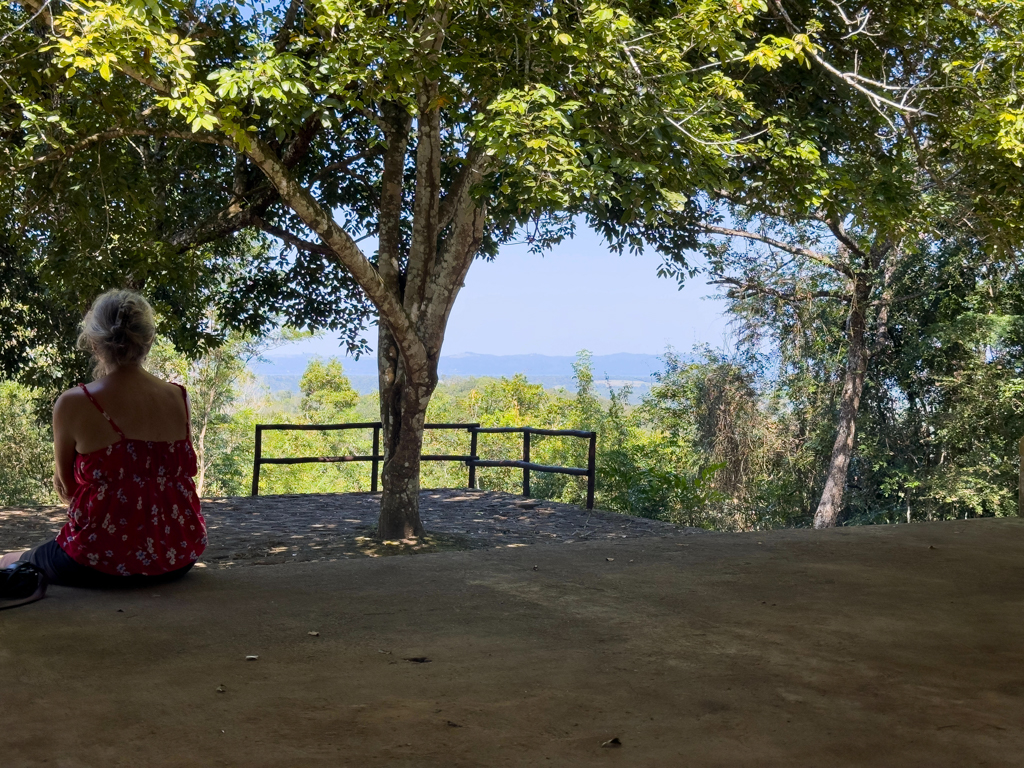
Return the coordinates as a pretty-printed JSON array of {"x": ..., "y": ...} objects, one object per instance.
[
  {"x": 313, "y": 634},
  {"x": 612, "y": 743},
  {"x": 418, "y": 659},
  {"x": 251, "y": 658},
  {"x": 221, "y": 689},
  {"x": 610, "y": 559}
]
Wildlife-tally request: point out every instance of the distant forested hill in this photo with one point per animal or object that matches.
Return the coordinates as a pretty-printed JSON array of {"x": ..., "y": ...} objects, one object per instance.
[{"x": 552, "y": 371}]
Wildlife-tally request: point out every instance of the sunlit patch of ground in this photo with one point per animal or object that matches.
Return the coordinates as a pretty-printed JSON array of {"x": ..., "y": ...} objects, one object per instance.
[{"x": 432, "y": 542}]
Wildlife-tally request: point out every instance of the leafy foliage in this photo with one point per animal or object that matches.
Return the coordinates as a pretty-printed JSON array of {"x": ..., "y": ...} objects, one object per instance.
[
  {"x": 326, "y": 392},
  {"x": 26, "y": 451}
]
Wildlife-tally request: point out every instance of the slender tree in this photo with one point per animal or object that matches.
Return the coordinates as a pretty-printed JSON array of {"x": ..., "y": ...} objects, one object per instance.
[{"x": 902, "y": 129}]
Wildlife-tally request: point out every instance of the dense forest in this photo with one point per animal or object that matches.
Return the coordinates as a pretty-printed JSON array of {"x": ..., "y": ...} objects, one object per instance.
[{"x": 725, "y": 441}]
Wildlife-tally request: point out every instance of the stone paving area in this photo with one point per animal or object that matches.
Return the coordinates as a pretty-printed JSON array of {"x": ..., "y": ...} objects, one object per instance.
[{"x": 268, "y": 530}]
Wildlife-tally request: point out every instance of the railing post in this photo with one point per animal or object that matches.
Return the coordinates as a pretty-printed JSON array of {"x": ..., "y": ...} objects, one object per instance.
[
  {"x": 472, "y": 457},
  {"x": 526, "y": 458},
  {"x": 256, "y": 456},
  {"x": 373, "y": 463},
  {"x": 591, "y": 469},
  {"x": 1020, "y": 487}
]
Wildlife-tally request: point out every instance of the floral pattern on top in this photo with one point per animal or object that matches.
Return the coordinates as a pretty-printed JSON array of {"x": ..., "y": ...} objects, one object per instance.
[{"x": 135, "y": 510}]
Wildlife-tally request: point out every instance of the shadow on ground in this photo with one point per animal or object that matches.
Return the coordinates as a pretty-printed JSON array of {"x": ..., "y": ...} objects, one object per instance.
[
  {"x": 881, "y": 646},
  {"x": 289, "y": 529}
]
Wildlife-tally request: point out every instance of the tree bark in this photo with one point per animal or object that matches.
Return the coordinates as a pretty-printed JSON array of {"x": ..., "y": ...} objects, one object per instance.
[
  {"x": 831, "y": 503},
  {"x": 403, "y": 409}
]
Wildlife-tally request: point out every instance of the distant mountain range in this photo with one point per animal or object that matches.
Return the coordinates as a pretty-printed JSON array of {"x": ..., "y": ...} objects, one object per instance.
[{"x": 552, "y": 371}]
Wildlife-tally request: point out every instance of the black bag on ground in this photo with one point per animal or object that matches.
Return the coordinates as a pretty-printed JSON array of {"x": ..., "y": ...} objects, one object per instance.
[{"x": 20, "y": 584}]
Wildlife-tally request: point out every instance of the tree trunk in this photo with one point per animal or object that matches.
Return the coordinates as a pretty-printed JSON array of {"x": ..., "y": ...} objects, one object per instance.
[
  {"x": 403, "y": 409},
  {"x": 201, "y": 460},
  {"x": 413, "y": 285},
  {"x": 831, "y": 504}
]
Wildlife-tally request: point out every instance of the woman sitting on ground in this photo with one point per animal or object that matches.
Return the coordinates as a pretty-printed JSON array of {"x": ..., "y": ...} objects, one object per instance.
[{"x": 124, "y": 462}]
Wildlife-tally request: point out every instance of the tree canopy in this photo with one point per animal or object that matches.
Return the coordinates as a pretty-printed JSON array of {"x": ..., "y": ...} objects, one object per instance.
[
  {"x": 907, "y": 123},
  {"x": 434, "y": 130},
  {"x": 324, "y": 162}
]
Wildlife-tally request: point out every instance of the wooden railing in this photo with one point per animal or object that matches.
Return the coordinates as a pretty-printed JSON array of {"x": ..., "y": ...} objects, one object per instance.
[{"x": 472, "y": 460}]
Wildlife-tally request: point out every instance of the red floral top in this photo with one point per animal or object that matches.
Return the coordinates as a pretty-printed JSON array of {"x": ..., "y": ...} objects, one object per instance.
[{"x": 135, "y": 510}]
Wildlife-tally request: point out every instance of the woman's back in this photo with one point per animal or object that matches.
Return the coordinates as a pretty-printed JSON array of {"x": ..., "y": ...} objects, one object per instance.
[
  {"x": 124, "y": 460},
  {"x": 133, "y": 506},
  {"x": 141, "y": 405}
]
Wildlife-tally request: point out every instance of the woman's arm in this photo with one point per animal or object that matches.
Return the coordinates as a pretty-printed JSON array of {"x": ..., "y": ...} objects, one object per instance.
[{"x": 63, "y": 448}]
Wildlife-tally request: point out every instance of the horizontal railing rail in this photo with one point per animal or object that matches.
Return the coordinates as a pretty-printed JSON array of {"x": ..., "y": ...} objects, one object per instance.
[{"x": 472, "y": 459}]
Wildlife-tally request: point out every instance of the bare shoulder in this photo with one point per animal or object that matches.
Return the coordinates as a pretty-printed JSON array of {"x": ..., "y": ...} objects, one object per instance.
[
  {"x": 69, "y": 403},
  {"x": 169, "y": 387},
  {"x": 70, "y": 398},
  {"x": 169, "y": 391}
]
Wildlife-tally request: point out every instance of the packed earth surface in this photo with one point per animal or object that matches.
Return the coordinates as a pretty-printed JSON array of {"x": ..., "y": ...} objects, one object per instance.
[
  {"x": 268, "y": 530},
  {"x": 624, "y": 642}
]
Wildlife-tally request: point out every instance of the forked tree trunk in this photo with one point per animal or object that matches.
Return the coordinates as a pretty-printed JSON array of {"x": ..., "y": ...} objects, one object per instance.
[
  {"x": 415, "y": 280},
  {"x": 831, "y": 504},
  {"x": 403, "y": 409}
]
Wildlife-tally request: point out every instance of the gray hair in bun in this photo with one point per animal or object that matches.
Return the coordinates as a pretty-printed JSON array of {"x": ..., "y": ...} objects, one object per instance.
[{"x": 118, "y": 330}]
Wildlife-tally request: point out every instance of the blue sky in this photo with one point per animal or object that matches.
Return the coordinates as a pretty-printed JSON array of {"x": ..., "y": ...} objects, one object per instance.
[{"x": 577, "y": 296}]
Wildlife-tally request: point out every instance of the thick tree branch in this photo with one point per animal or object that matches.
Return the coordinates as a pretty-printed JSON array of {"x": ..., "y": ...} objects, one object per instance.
[
  {"x": 153, "y": 83},
  {"x": 235, "y": 217},
  {"x": 345, "y": 250},
  {"x": 398, "y": 124},
  {"x": 423, "y": 246},
  {"x": 221, "y": 224},
  {"x": 453, "y": 263},
  {"x": 468, "y": 174},
  {"x": 299, "y": 144},
  {"x": 839, "y": 232},
  {"x": 284, "y": 33}
]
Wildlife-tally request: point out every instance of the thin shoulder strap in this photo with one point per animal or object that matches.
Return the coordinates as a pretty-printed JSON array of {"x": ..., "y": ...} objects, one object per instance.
[
  {"x": 188, "y": 416},
  {"x": 100, "y": 409}
]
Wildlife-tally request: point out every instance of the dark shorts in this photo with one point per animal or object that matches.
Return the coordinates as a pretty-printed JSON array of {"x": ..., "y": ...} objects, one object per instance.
[{"x": 61, "y": 569}]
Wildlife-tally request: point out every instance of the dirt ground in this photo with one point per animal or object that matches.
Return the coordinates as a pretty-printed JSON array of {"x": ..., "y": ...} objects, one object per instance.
[
  {"x": 876, "y": 646},
  {"x": 272, "y": 530}
]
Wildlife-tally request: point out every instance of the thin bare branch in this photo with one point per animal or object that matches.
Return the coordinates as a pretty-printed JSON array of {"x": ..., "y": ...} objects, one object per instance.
[
  {"x": 292, "y": 240},
  {"x": 120, "y": 133},
  {"x": 852, "y": 80},
  {"x": 40, "y": 10},
  {"x": 796, "y": 250},
  {"x": 741, "y": 290}
]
